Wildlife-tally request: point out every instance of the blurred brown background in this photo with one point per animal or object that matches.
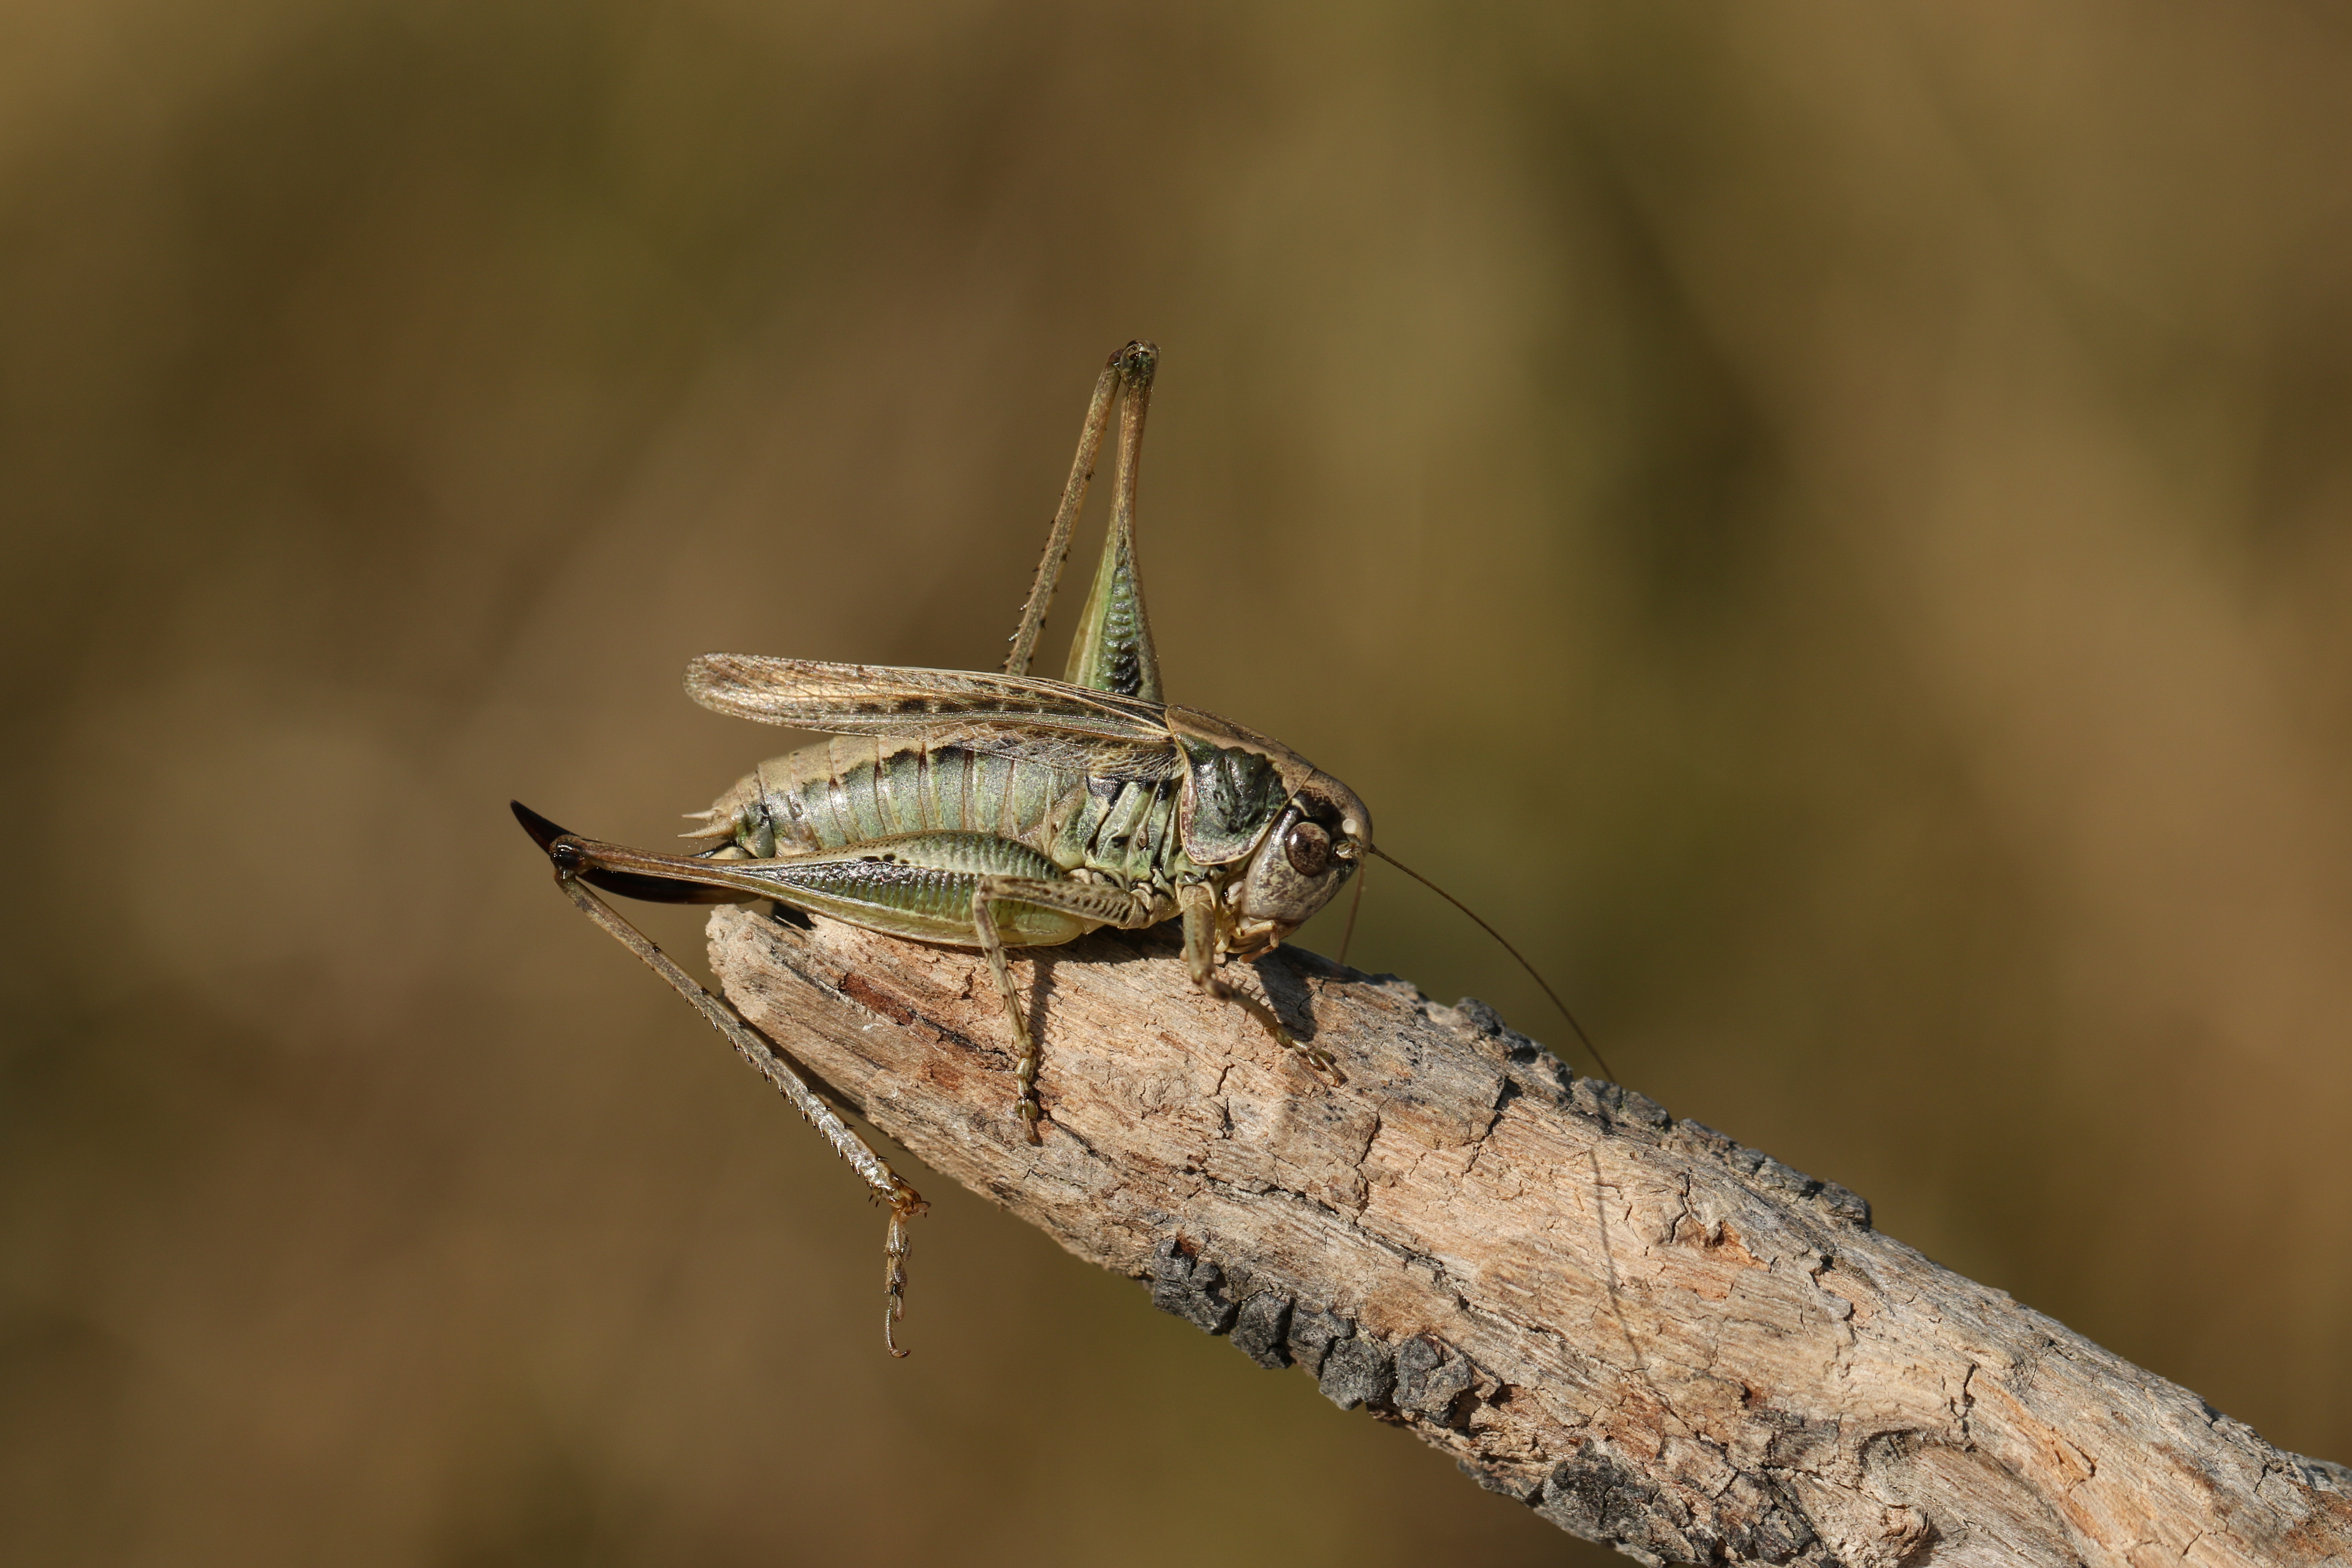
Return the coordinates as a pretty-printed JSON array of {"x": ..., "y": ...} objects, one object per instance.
[{"x": 1826, "y": 522}]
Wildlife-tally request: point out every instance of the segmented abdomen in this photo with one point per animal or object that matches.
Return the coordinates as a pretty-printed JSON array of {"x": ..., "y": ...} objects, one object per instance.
[
  {"x": 841, "y": 792},
  {"x": 846, "y": 793}
]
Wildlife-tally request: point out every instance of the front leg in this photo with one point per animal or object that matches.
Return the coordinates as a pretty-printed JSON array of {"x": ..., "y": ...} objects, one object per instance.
[
  {"x": 1098, "y": 903},
  {"x": 1199, "y": 902}
]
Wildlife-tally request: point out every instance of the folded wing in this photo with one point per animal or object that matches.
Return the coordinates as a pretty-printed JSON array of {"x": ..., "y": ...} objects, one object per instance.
[{"x": 1042, "y": 720}]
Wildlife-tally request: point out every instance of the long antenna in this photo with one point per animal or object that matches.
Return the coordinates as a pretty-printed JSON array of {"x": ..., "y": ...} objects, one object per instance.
[
  {"x": 1608, "y": 1071},
  {"x": 1354, "y": 904}
]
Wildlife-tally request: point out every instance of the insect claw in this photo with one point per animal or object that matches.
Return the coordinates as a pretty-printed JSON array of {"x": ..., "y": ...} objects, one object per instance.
[{"x": 1319, "y": 1062}]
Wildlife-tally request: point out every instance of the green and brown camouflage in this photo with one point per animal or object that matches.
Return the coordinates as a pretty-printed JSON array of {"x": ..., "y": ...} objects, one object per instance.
[{"x": 1000, "y": 810}]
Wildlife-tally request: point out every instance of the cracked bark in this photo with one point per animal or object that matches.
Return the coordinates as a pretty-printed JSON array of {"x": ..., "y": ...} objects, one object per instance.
[{"x": 1654, "y": 1337}]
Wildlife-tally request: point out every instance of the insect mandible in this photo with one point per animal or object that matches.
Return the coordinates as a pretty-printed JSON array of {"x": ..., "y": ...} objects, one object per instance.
[{"x": 998, "y": 810}]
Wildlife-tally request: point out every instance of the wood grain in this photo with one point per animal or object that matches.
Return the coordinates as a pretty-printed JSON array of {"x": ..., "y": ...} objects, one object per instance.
[{"x": 1653, "y": 1336}]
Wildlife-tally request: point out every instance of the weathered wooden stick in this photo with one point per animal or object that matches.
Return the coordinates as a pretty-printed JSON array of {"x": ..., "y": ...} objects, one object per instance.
[{"x": 1653, "y": 1336}]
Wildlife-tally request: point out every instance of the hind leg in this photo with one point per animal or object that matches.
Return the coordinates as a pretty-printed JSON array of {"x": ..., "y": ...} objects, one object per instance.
[{"x": 904, "y": 1201}]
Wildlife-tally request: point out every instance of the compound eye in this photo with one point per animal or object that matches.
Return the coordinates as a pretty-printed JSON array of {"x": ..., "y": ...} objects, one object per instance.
[{"x": 1308, "y": 849}]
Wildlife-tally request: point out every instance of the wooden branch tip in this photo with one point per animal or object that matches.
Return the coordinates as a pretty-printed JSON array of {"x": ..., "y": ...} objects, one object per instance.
[{"x": 1653, "y": 1336}]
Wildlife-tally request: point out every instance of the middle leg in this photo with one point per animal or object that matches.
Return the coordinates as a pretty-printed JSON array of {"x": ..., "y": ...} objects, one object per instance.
[{"x": 1099, "y": 903}]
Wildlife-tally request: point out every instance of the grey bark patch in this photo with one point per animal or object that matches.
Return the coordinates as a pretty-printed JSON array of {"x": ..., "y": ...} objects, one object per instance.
[
  {"x": 1358, "y": 1372},
  {"x": 1536, "y": 1071},
  {"x": 1430, "y": 1376},
  {"x": 2323, "y": 1475},
  {"x": 1190, "y": 1288},
  {"x": 1532, "y": 1068},
  {"x": 1786, "y": 1180},
  {"x": 1618, "y": 1106},
  {"x": 1642, "y": 1111},
  {"x": 1774, "y": 1536},
  {"x": 1699, "y": 1136},
  {"x": 1481, "y": 1016},
  {"x": 1516, "y": 1484},
  {"x": 1596, "y": 1496},
  {"x": 1763, "y": 1522},
  {"x": 1780, "y": 1180},
  {"x": 1844, "y": 1203},
  {"x": 1261, "y": 1330},
  {"x": 1313, "y": 1332},
  {"x": 1797, "y": 1442}
]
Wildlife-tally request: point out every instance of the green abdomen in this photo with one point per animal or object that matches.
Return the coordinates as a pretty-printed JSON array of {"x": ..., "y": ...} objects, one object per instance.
[{"x": 842, "y": 793}]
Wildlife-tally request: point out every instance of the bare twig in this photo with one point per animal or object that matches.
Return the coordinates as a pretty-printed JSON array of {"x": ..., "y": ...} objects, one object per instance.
[{"x": 1651, "y": 1335}]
